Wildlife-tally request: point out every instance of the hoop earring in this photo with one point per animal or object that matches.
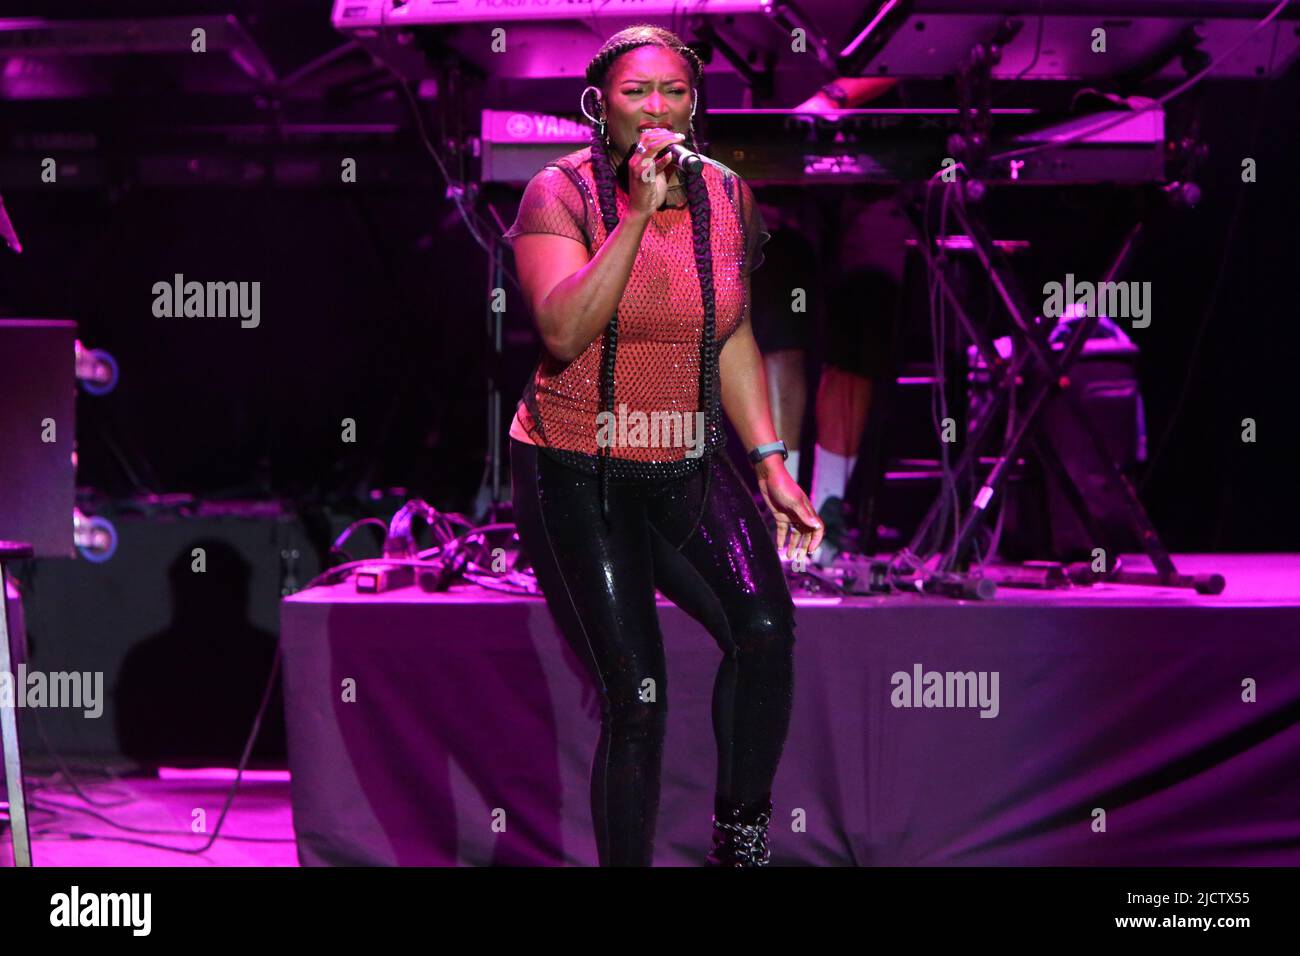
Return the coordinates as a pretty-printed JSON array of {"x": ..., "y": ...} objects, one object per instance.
[{"x": 582, "y": 105}]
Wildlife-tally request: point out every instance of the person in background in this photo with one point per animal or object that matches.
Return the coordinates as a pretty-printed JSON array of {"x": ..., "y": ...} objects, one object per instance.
[{"x": 854, "y": 296}]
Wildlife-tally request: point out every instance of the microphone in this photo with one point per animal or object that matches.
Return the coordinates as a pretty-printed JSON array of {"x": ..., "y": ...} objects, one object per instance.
[
  {"x": 687, "y": 159},
  {"x": 690, "y": 161}
]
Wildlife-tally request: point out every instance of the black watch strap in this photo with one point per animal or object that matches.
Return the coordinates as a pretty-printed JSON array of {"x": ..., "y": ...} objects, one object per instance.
[{"x": 760, "y": 452}]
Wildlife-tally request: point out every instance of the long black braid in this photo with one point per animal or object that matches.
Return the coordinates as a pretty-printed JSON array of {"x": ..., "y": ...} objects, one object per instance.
[{"x": 698, "y": 198}]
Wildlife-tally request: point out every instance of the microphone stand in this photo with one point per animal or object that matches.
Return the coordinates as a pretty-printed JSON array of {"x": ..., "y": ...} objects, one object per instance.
[{"x": 9, "y": 742}]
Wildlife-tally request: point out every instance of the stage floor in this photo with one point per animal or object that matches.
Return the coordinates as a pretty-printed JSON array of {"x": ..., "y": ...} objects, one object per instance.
[
  {"x": 69, "y": 832},
  {"x": 262, "y": 811}
]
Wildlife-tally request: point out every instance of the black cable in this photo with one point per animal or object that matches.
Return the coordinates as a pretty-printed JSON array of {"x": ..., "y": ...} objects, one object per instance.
[
  {"x": 63, "y": 767},
  {"x": 116, "y": 451},
  {"x": 1038, "y": 47},
  {"x": 468, "y": 216},
  {"x": 950, "y": 478},
  {"x": 504, "y": 585},
  {"x": 337, "y": 546},
  {"x": 53, "y": 808},
  {"x": 1038, "y": 43},
  {"x": 230, "y": 796},
  {"x": 948, "y": 493}
]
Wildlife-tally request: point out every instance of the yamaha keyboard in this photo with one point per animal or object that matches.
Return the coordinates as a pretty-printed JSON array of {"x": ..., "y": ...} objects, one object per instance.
[
  {"x": 373, "y": 14},
  {"x": 535, "y": 39},
  {"x": 885, "y": 146}
]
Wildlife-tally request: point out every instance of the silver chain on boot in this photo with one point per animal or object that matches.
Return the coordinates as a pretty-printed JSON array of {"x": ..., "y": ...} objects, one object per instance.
[{"x": 748, "y": 841}]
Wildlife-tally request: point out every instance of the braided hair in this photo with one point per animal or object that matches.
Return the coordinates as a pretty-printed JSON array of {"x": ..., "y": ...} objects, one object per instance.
[{"x": 698, "y": 198}]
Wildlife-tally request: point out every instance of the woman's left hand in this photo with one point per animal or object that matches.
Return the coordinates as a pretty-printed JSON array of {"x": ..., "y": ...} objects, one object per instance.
[{"x": 795, "y": 517}]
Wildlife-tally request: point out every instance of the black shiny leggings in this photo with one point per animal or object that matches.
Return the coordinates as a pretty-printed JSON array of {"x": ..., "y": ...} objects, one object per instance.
[{"x": 714, "y": 559}]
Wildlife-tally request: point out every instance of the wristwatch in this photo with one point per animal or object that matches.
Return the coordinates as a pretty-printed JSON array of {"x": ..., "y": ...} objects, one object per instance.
[{"x": 760, "y": 452}]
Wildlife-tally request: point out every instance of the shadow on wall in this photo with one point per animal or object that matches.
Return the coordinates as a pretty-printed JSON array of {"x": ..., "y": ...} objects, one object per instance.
[{"x": 188, "y": 694}]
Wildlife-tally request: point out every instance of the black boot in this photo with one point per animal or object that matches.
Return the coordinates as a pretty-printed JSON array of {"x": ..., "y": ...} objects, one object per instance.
[{"x": 740, "y": 834}]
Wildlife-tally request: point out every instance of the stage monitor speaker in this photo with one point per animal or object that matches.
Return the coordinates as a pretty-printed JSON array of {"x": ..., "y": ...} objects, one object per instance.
[
  {"x": 38, "y": 430},
  {"x": 180, "y": 626}
]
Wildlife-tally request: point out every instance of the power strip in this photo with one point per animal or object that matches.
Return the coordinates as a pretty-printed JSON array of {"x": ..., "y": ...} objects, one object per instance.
[{"x": 378, "y": 578}]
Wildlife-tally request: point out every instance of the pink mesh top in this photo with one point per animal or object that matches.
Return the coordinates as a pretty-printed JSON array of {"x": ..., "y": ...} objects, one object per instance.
[{"x": 661, "y": 323}]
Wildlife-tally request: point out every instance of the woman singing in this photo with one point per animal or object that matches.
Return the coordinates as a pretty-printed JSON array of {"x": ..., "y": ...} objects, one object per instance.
[{"x": 637, "y": 274}]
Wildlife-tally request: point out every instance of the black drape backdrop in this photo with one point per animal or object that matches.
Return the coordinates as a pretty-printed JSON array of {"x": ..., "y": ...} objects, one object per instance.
[{"x": 372, "y": 308}]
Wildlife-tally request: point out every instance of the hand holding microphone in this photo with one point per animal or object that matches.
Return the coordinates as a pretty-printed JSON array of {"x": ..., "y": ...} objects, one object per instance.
[{"x": 647, "y": 164}]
